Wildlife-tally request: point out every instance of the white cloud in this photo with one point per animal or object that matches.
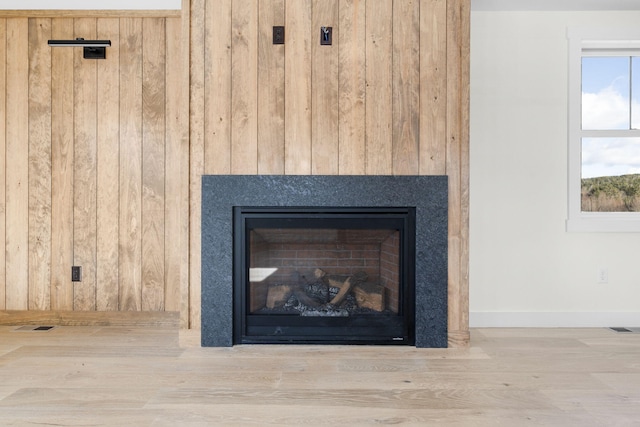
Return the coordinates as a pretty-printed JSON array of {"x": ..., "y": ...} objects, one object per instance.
[
  {"x": 607, "y": 109},
  {"x": 610, "y": 156}
]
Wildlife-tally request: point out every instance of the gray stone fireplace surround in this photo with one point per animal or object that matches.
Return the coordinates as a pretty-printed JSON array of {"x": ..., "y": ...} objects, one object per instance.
[{"x": 428, "y": 194}]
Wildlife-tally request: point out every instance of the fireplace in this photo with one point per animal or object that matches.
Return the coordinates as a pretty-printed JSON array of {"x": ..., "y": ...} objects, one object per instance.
[
  {"x": 335, "y": 275},
  {"x": 324, "y": 259}
]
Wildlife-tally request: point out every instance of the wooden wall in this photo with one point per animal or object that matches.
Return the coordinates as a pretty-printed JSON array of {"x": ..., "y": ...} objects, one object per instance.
[
  {"x": 102, "y": 160},
  {"x": 94, "y": 165},
  {"x": 390, "y": 96}
]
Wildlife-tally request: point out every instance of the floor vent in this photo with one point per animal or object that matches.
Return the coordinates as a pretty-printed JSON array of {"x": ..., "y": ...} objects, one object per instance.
[
  {"x": 625, "y": 330},
  {"x": 33, "y": 328}
]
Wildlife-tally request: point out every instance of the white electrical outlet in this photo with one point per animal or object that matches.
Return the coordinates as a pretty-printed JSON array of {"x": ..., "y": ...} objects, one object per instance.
[{"x": 603, "y": 275}]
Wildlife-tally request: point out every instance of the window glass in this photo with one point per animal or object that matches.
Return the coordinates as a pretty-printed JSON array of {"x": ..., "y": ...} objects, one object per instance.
[
  {"x": 605, "y": 93},
  {"x": 610, "y": 156},
  {"x": 604, "y": 130},
  {"x": 610, "y": 175},
  {"x": 635, "y": 92}
]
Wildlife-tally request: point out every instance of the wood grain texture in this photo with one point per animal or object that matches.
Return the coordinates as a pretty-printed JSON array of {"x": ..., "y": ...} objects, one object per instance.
[
  {"x": 352, "y": 74},
  {"x": 244, "y": 99},
  {"x": 108, "y": 174},
  {"x": 200, "y": 119},
  {"x": 465, "y": 141},
  {"x": 408, "y": 54},
  {"x": 89, "y": 13},
  {"x": 298, "y": 87},
  {"x": 379, "y": 89},
  {"x": 39, "y": 164},
  {"x": 457, "y": 143},
  {"x": 82, "y": 375},
  {"x": 325, "y": 145},
  {"x": 211, "y": 81},
  {"x": 402, "y": 127},
  {"x": 62, "y": 78},
  {"x": 406, "y": 84},
  {"x": 153, "y": 163},
  {"x": 17, "y": 165},
  {"x": 85, "y": 167},
  {"x": 140, "y": 319},
  {"x": 176, "y": 295},
  {"x": 270, "y": 90},
  {"x": 130, "y": 227},
  {"x": 433, "y": 86},
  {"x": 3, "y": 161},
  {"x": 189, "y": 313}
]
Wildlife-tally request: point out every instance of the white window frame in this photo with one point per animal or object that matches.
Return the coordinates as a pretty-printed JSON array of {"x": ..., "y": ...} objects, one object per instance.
[{"x": 622, "y": 41}]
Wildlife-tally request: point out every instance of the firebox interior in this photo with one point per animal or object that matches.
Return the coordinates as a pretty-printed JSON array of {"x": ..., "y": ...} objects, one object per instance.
[{"x": 330, "y": 275}]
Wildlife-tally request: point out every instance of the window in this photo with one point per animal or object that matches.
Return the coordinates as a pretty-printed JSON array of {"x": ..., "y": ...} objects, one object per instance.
[{"x": 604, "y": 130}]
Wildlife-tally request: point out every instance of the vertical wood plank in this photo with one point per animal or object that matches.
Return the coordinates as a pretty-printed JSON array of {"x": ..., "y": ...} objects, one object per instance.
[
  {"x": 211, "y": 27},
  {"x": 298, "y": 87},
  {"x": 270, "y": 90},
  {"x": 85, "y": 168},
  {"x": 352, "y": 70},
  {"x": 244, "y": 101},
  {"x": 379, "y": 100},
  {"x": 433, "y": 87},
  {"x": 406, "y": 84},
  {"x": 465, "y": 96},
  {"x": 457, "y": 159},
  {"x": 39, "y": 164},
  {"x": 62, "y": 78},
  {"x": 153, "y": 163},
  {"x": 465, "y": 78},
  {"x": 324, "y": 97},
  {"x": 453, "y": 160},
  {"x": 202, "y": 118},
  {"x": 130, "y": 227},
  {"x": 189, "y": 318},
  {"x": 177, "y": 169},
  {"x": 3, "y": 159},
  {"x": 108, "y": 158},
  {"x": 17, "y": 164}
]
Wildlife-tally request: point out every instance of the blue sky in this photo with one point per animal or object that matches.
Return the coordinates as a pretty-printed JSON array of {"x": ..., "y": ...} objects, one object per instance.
[{"x": 606, "y": 106}]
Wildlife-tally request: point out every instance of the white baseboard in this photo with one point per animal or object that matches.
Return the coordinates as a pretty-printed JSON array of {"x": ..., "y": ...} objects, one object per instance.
[{"x": 552, "y": 320}]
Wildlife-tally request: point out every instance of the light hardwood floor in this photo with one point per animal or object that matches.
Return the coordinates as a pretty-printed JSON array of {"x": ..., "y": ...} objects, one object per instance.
[{"x": 119, "y": 376}]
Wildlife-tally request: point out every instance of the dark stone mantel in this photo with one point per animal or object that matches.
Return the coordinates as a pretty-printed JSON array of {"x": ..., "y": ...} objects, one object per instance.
[{"x": 428, "y": 194}]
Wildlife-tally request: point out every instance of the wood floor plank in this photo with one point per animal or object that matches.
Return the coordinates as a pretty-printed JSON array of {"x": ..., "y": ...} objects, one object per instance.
[{"x": 95, "y": 375}]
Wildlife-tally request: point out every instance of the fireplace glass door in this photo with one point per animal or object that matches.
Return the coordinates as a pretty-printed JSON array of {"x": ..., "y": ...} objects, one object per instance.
[{"x": 324, "y": 275}]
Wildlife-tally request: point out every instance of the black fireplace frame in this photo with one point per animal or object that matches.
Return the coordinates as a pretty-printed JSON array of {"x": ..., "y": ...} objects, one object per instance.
[
  {"x": 428, "y": 194},
  {"x": 373, "y": 328}
]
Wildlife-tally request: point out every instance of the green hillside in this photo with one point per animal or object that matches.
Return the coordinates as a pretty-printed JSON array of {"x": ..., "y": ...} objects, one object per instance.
[{"x": 611, "y": 194}]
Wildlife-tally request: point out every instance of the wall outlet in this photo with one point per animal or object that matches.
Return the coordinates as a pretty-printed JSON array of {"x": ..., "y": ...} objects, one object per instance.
[
  {"x": 278, "y": 35},
  {"x": 603, "y": 275},
  {"x": 76, "y": 273}
]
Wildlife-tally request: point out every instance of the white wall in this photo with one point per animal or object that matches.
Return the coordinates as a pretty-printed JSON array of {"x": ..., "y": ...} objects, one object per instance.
[
  {"x": 90, "y": 5},
  {"x": 525, "y": 269}
]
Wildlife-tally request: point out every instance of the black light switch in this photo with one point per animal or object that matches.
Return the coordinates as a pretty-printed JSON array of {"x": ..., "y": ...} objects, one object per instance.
[{"x": 326, "y": 36}]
